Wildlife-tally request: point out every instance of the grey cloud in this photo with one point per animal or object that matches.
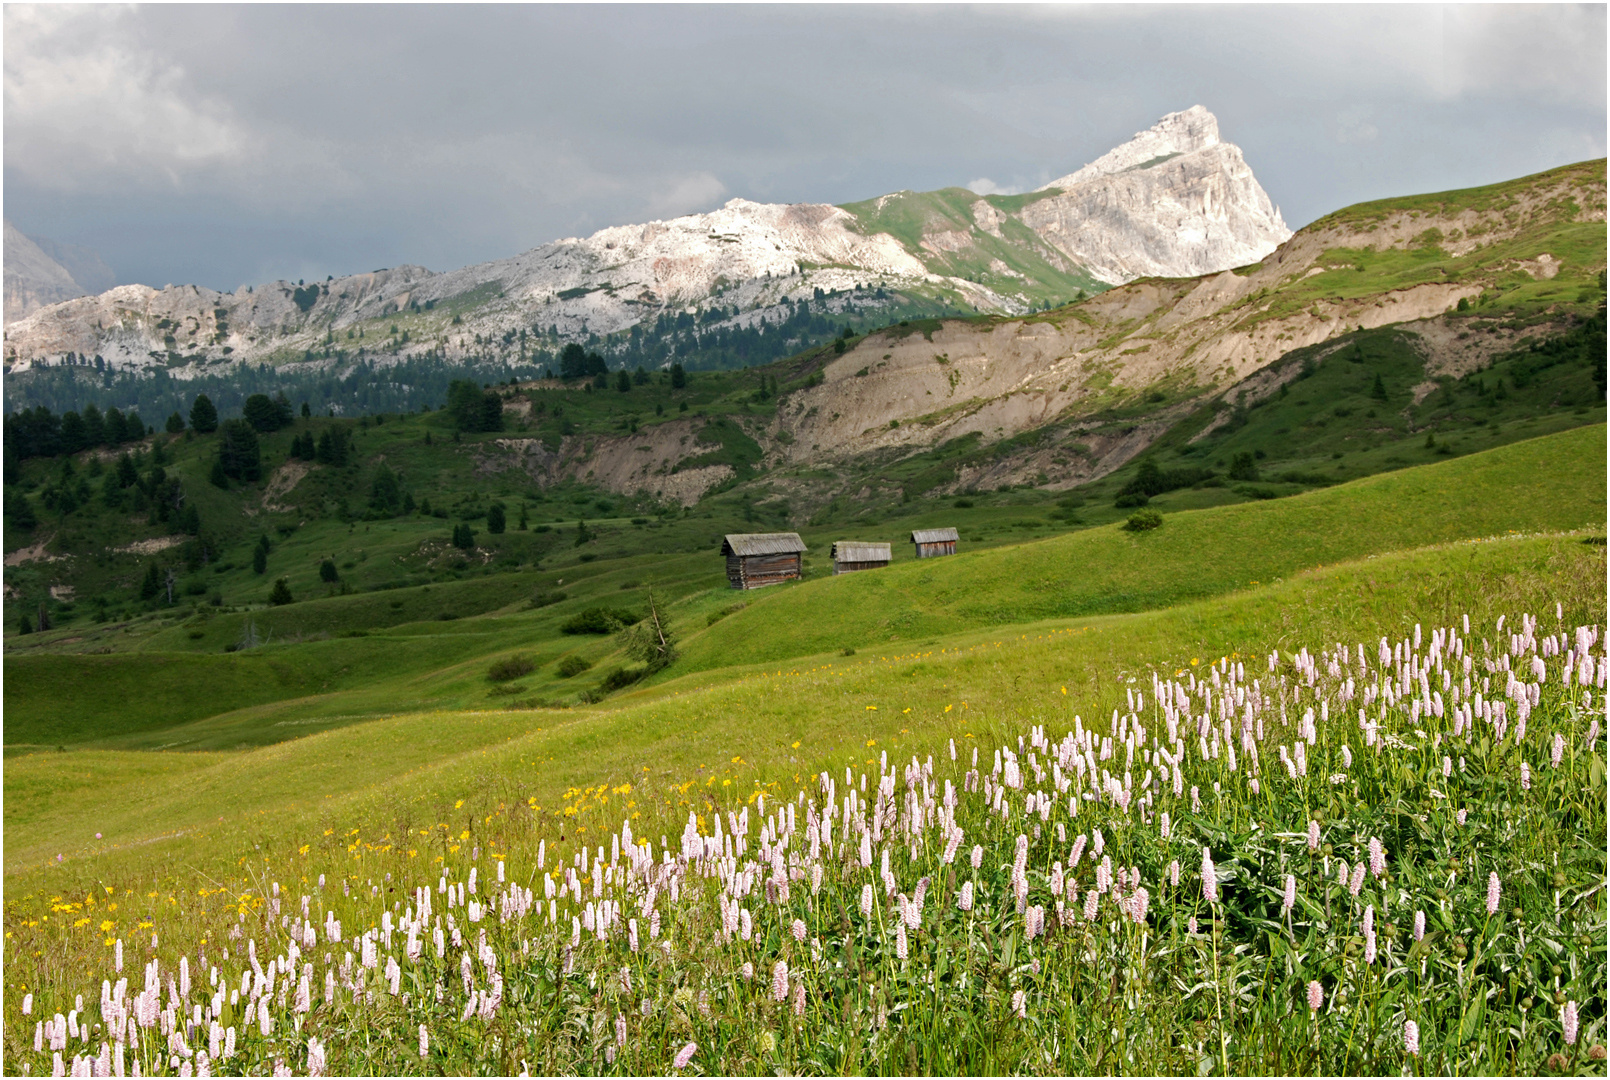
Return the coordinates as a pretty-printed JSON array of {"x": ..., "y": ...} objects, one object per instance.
[{"x": 226, "y": 145}]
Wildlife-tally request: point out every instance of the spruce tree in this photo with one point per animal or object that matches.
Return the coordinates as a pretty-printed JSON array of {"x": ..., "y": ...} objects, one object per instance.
[{"x": 281, "y": 594}]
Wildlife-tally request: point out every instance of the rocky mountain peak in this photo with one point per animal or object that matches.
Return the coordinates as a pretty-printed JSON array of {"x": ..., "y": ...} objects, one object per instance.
[{"x": 1175, "y": 134}]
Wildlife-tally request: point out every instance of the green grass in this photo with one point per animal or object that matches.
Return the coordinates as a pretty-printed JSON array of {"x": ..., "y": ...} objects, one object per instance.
[
  {"x": 190, "y": 844},
  {"x": 1193, "y": 556},
  {"x": 344, "y": 659},
  {"x": 694, "y": 724}
]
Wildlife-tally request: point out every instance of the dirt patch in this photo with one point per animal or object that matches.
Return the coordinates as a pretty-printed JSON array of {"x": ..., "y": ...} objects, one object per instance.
[
  {"x": 284, "y": 480},
  {"x": 36, "y": 553},
  {"x": 62, "y": 592}
]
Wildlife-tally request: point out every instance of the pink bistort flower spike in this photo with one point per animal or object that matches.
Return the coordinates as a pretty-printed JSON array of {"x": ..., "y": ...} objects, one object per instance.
[
  {"x": 684, "y": 1055},
  {"x": 1210, "y": 884},
  {"x": 1289, "y": 900},
  {"x": 1411, "y": 1038},
  {"x": 1316, "y": 995},
  {"x": 779, "y": 981},
  {"x": 1568, "y": 1023},
  {"x": 1494, "y": 891}
]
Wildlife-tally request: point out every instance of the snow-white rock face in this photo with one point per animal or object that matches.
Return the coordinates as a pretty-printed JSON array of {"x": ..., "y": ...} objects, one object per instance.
[{"x": 1174, "y": 201}]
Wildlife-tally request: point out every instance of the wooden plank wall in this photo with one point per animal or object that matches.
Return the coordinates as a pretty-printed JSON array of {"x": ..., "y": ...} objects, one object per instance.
[
  {"x": 758, "y": 571},
  {"x": 929, "y": 551}
]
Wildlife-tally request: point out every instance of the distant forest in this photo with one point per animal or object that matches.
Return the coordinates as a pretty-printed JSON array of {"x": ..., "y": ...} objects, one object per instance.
[{"x": 376, "y": 383}]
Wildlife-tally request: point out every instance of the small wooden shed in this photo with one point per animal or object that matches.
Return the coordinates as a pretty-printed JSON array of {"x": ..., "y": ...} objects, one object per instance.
[
  {"x": 852, "y": 555},
  {"x": 755, "y": 560},
  {"x": 932, "y": 542}
]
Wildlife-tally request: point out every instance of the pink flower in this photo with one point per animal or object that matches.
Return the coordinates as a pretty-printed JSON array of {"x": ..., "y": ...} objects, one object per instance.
[
  {"x": 424, "y": 1041},
  {"x": 1313, "y": 836},
  {"x": 684, "y": 1055},
  {"x": 1357, "y": 883},
  {"x": 799, "y": 998},
  {"x": 1411, "y": 1037},
  {"x": 1568, "y": 1023},
  {"x": 1377, "y": 857},
  {"x": 964, "y": 899},
  {"x": 799, "y": 929},
  {"x": 1210, "y": 884},
  {"x": 1316, "y": 995},
  {"x": 1494, "y": 891},
  {"x": 779, "y": 982},
  {"x": 1289, "y": 900},
  {"x": 1419, "y": 925}
]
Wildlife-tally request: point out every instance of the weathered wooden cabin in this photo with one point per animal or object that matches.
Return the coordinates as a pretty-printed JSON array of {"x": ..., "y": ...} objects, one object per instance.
[
  {"x": 852, "y": 555},
  {"x": 932, "y": 542},
  {"x": 755, "y": 560}
]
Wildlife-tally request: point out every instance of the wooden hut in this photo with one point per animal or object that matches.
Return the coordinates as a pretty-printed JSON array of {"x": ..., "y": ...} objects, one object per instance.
[
  {"x": 755, "y": 560},
  {"x": 932, "y": 542},
  {"x": 852, "y": 555}
]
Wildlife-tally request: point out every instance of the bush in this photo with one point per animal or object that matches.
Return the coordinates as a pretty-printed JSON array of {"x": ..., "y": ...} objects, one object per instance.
[
  {"x": 598, "y": 620},
  {"x": 964, "y": 504},
  {"x": 510, "y": 668},
  {"x": 571, "y": 666},
  {"x": 618, "y": 678},
  {"x": 1143, "y": 521},
  {"x": 1130, "y": 499},
  {"x": 1243, "y": 467},
  {"x": 546, "y": 599}
]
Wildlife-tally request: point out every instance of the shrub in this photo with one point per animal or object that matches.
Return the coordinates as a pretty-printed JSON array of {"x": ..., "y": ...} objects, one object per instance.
[
  {"x": 964, "y": 504},
  {"x": 618, "y": 678},
  {"x": 598, "y": 620},
  {"x": 546, "y": 599},
  {"x": 510, "y": 668},
  {"x": 1143, "y": 521},
  {"x": 571, "y": 666},
  {"x": 1130, "y": 499}
]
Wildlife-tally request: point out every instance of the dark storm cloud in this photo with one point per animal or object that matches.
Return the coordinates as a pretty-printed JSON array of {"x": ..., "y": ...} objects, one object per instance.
[{"x": 225, "y": 145}]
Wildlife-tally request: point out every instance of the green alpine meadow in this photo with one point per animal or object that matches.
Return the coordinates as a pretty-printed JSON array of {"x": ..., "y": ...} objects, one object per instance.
[{"x": 974, "y": 631}]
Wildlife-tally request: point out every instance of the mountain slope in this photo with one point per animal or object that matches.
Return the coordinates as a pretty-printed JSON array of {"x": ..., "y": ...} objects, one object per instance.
[
  {"x": 1194, "y": 208},
  {"x": 33, "y": 279},
  {"x": 1471, "y": 273}
]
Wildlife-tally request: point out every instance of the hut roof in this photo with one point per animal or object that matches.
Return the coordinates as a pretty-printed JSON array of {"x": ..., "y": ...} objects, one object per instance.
[
  {"x": 860, "y": 551},
  {"x": 762, "y": 544},
  {"x": 933, "y": 536}
]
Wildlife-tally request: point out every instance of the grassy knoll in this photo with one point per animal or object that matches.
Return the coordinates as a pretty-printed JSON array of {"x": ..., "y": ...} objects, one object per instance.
[
  {"x": 1191, "y": 556},
  {"x": 333, "y": 661}
]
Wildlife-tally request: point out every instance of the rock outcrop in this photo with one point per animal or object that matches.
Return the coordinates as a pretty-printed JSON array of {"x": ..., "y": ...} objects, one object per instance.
[{"x": 1174, "y": 201}]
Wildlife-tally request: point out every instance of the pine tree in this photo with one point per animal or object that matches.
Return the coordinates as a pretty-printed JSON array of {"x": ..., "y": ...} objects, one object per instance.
[
  {"x": 496, "y": 521},
  {"x": 152, "y": 583},
  {"x": 259, "y": 560},
  {"x": 203, "y": 415},
  {"x": 281, "y": 594}
]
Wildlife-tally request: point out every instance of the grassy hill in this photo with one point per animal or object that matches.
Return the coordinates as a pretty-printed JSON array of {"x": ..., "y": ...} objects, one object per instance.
[
  {"x": 331, "y": 662},
  {"x": 1192, "y": 556}
]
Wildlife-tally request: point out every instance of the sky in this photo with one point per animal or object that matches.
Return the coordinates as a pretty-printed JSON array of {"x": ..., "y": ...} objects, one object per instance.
[{"x": 232, "y": 145}]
